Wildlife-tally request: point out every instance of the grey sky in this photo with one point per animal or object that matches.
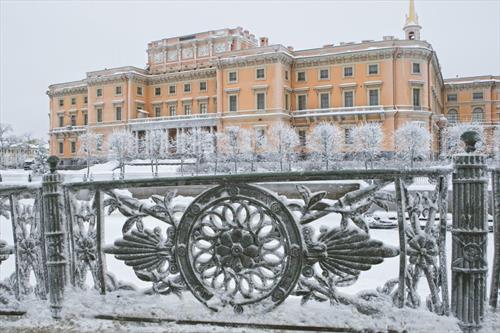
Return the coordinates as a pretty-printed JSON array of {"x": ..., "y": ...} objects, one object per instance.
[{"x": 45, "y": 42}]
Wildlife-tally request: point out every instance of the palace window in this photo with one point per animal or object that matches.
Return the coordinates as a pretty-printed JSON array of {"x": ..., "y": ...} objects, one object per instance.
[
  {"x": 118, "y": 90},
  {"x": 477, "y": 115},
  {"x": 261, "y": 101},
  {"x": 348, "y": 71},
  {"x": 287, "y": 101},
  {"x": 260, "y": 134},
  {"x": 302, "y": 138},
  {"x": 286, "y": 75},
  {"x": 451, "y": 97},
  {"x": 85, "y": 99},
  {"x": 139, "y": 91},
  {"x": 203, "y": 86},
  {"x": 233, "y": 103},
  {"x": 73, "y": 120},
  {"x": 157, "y": 91},
  {"x": 157, "y": 111},
  {"x": 61, "y": 147},
  {"x": 348, "y": 99},
  {"x": 301, "y": 102},
  {"x": 61, "y": 102},
  {"x": 324, "y": 74},
  {"x": 324, "y": 100},
  {"x": 348, "y": 139},
  {"x": 171, "y": 89},
  {"x": 416, "y": 97},
  {"x": 373, "y": 97},
  {"x": 373, "y": 69},
  {"x": 301, "y": 76},
  {"x": 187, "y": 109},
  {"x": 73, "y": 100},
  {"x": 172, "y": 109},
  {"x": 477, "y": 95},
  {"x": 98, "y": 92},
  {"x": 452, "y": 116},
  {"x": 187, "y": 87},
  {"x": 73, "y": 147},
  {"x": 118, "y": 113},
  {"x": 203, "y": 108},
  {"x": 415, "y": 68},
  {"x": 61, "y": 121},
  {"x": 232, "y": 77},
  {"x": 85, "y": 119},
  {"x": 99, "y": 115},
  {"x": 260, "y": 74}
]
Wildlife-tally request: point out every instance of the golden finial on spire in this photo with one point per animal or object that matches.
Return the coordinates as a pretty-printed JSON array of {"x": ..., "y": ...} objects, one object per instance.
[{"x": 412, "y": 17}]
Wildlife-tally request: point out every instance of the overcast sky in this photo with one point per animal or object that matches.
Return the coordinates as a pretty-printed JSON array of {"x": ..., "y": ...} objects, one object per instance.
[{"x": 46, "y": 42}]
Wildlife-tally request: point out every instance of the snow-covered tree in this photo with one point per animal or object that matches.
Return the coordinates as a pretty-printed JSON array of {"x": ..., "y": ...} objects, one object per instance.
[
  {"x": 325, "y": 141},
  {"x": 256, "y": 141},
  {"x": 367, "y": 141},
  {"x": 4, "y": 130},
  {"x": 90, "y": 143},
  {"x": 283, "y": 140},
  {"x": 496, "y": 143},
  {"x": 182, "y": 146},
  {"x": 201, "y": 145},
  {"x": 412, "y": 142},
  {"x": 235, "y": 145},
  {"x": 218, "y": 149},
  {"x": 122, "y": 147},
  {"x": 40, "y": 165},
  {"x": 155, "y": 147},
  {"x": 455, "y": 144}
]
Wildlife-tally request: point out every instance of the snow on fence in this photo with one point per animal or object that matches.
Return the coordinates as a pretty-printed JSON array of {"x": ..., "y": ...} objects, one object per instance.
[{"x": 237, "y": 245}]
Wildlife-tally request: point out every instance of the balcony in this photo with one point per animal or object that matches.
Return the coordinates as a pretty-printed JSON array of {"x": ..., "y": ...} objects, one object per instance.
[
  {"x": 355, "y": 110},
  {"x": 207, "y": 119},
  {"x": 68, "y": 129}
]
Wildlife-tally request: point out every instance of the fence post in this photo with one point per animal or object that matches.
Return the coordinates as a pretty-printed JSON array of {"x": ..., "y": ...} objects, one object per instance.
[
  {"x": 55, "y": 237},
  {"x": 495, "y": 211},
  {"x": 469, "y": 265}
]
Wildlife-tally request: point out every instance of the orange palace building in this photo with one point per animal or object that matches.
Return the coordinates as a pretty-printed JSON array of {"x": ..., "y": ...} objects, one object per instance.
[{"x": 228, "y": 77}]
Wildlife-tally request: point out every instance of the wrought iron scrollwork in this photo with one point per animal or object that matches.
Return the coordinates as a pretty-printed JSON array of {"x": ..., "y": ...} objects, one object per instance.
[
  {"x": 26, "y": 221},
  {"x": 239, "y": 245}
]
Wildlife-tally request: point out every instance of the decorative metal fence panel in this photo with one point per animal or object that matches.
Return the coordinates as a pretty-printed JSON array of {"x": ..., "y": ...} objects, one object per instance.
[{"x": 240, "y": 245}]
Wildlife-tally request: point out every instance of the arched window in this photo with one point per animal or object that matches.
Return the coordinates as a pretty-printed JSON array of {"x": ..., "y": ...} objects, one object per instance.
[
  {"x": 411, "y": 35},
  {"x": 477, "y": 115},
  {"x": 452, "y": 116}
]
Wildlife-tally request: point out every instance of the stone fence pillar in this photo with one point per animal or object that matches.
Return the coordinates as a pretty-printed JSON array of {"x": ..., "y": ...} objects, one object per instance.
[
  {"x": 55, "y": 236},
  {"x": 469, "y": 265}
]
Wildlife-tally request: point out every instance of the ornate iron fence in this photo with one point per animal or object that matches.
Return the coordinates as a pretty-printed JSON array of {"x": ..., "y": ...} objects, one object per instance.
[{"x": 238, "y": 244}]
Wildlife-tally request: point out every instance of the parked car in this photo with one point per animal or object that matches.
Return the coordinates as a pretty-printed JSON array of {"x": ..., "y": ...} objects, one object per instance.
[{"x": 28, "y": 164}]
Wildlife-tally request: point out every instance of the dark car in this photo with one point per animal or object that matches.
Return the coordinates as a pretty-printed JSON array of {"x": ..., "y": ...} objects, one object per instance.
[{"x": 27, "y": 164}]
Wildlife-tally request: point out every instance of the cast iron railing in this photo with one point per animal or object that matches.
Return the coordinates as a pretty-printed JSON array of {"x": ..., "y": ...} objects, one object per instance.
[{"x": 238, "y": 244}]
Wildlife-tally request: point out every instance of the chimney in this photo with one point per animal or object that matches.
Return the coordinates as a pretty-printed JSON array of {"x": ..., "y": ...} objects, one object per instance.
[
  {"x": 290, "y": 48},
  {"x": 264, "y": 41}
]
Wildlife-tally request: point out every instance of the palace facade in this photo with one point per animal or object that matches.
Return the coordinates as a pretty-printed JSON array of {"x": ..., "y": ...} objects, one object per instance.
[{"x": 228, "y": 77}]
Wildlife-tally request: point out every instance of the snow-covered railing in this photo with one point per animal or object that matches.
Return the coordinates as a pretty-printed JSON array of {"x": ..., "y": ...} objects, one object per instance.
[
  {"x": 174, "y": 118},
  {"x": 238, "y": 245},
  {"x": 353, "y": 110},
  {"x": 69, "y": 129}
]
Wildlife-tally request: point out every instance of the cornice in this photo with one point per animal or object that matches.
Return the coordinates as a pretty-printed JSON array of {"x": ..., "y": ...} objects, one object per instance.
[
  {"x": 469, "y": 85},
  {"x": 256, "y": 59},
  {"x": 66, "y": 91},
  {"x": 182, "y": 76}
]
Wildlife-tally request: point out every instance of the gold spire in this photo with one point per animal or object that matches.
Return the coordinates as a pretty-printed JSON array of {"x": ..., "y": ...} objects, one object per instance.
[{"x": 412, "y": 17}]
